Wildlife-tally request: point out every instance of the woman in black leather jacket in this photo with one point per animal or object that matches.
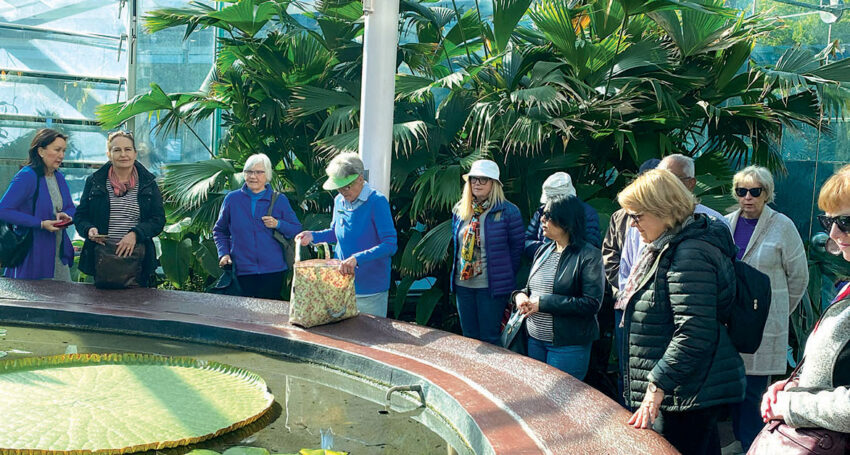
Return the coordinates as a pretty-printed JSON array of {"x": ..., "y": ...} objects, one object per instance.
[{"x": 564, "y": 291}]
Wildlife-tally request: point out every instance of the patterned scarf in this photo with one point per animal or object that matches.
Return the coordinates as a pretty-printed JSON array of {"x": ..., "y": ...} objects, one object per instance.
[
  {"x": 119, "y": 188},
  {"x": 470, "y": 253},
  {"x": 644, "y": 264}
]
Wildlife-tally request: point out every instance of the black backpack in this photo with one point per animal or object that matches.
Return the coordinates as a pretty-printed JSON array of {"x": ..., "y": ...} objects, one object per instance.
[{"x": 749, "y": 308}]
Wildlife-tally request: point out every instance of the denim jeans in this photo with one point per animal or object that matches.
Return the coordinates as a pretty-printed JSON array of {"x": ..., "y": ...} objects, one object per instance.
[
  {"x": 572, "y": 360},
  {"x": 374, "y": 304},
  {"x": 746, "y": 416},
  {"x": 480, "y": 314}
]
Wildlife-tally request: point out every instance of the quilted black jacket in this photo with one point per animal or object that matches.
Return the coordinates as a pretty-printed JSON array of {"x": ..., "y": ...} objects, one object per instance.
[{"x": 671, "y": 323}]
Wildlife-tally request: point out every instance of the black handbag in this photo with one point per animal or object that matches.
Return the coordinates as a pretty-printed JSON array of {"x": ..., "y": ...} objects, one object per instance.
[
  {"x": 15, "y": 246},
  {"x": 227, "y": 283},
  {"x": 288, "y": 245},
  {"x": 514, "y": 336},
  {"x": 114, "y": 272}
]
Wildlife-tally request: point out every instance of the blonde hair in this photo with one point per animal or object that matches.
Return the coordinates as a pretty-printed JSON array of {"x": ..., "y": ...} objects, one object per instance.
[
  {"x": 463, "y": 209},
  {"x": 835, "y": 193},
  {"x": 660, "y": 193},
  {"x": 758, "y": 175}
]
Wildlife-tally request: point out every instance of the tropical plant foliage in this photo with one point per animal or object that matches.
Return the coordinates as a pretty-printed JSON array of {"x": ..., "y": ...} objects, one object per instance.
[{"x": 591, "y": 87}]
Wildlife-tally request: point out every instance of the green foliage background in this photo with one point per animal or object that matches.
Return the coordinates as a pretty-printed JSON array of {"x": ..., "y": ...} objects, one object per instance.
[{"x": 591, "y": 87}]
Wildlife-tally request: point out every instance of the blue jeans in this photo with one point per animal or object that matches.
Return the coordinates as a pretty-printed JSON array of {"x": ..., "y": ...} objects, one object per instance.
[
  {"x": 746, "y": 415},
  {"x": 480, "y": 314},
  {"x": 572, "y": 360}
]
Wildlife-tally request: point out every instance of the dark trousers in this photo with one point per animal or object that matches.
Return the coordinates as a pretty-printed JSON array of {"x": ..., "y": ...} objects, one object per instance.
[
  {"x": 691, "y": 432},
  {"x": 480, "y": 314},
  {"x": 622, "y": 349},
  {"x": 746, "y": 416},
  {"x": 262, "y": 285}
]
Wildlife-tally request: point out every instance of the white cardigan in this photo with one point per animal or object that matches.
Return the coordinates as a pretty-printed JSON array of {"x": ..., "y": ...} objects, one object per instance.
[{"x": 776, "y": 250}]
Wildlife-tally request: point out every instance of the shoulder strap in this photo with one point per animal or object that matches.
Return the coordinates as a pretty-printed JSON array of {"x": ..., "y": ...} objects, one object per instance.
[{"x": 271, "y": 206}]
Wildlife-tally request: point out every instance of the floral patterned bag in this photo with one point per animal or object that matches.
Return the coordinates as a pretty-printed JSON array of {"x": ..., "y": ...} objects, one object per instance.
[{"x": 320, "y": 294}]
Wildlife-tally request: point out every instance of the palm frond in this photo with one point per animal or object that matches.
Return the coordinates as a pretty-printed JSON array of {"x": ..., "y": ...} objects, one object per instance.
[{"x": 433, "y": 249}]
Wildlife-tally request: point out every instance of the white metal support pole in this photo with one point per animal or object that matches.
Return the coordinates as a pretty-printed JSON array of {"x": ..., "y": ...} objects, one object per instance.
[
  {"x": 377, "y": 93},
  {"x": 132, "y": 37}
]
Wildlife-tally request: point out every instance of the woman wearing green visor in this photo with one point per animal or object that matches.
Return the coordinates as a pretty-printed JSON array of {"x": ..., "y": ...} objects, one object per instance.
[{"x": 362, "y": 229}]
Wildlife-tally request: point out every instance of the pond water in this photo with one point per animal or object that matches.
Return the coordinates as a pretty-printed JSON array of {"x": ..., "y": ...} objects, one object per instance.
[{"x": 309, "y": 398}]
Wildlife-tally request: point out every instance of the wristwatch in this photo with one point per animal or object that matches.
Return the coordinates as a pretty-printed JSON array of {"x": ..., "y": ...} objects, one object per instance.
[{"x": 652, "y": 388}]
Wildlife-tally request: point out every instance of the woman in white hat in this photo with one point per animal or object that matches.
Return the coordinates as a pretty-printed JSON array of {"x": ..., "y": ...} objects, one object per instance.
[
  {"x": 362, "y": 229},
  {"x": 557, "y": 185},
  {"x": 488, "y": 243}
]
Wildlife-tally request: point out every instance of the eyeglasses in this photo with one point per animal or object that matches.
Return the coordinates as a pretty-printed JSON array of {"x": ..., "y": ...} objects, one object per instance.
[
  {"x": 249, "y": 173},
  {"x": 635, "y": 217},
  {"x": 344, "y": 189},
  {"x": 479, "y": 180},
  {"x": 545, "y": 216},
  {"x": 742, "y": 192},
  {"x": 843, "y": 222}
]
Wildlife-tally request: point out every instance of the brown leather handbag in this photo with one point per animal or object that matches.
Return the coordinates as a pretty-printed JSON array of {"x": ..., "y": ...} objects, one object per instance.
[
  {"x": 778, "y": 438},
  {"x": 114, "y": 272}
]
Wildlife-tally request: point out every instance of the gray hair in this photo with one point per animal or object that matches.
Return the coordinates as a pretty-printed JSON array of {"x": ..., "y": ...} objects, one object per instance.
[
  {"x": 685, "y": 163},
  {"x": 758, "y": 175},
  {"x": 344, "y": 165},
  {"x": 259, "y": 158}
]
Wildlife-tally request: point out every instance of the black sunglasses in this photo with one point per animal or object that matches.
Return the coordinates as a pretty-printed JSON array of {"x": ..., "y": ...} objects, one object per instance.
[
  {"x": 843, "y": 222},
  {"x": 635, "y": 217},
  {"x": 479, "y": 180},
  {"x": 742, "y": 192}
]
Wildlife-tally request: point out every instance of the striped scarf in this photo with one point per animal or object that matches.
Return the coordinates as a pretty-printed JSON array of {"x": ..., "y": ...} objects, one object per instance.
[{"x": 470, "y": 253}]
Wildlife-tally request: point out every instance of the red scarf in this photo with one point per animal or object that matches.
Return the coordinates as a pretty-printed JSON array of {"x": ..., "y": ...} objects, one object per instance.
[{"x": 120, "y": 188}]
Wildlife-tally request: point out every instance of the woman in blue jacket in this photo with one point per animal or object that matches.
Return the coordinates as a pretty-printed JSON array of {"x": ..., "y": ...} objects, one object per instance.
[
  {"x": 488, "y": 236},
  {"x": 51, "y": 254},
  {"x": 243, "y": 233},
  {"x": 362, "y": 229}
]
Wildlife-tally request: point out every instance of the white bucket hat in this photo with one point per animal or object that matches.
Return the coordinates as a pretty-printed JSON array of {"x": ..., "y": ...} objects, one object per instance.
[
  {"x": 558, "y": 184},
  {"x": 483, "y": 168}
]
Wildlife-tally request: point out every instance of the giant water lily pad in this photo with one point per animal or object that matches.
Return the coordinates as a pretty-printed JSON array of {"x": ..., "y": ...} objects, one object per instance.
[{"x": 121, "y": 403}]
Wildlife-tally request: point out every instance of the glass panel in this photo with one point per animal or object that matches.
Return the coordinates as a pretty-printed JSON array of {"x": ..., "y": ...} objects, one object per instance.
[
  {"x": 55, "y": 98},
  {"x": 86, "y": 144},
  {"x": 71, "y": 15},
  {"x": 176, "y": 66},
  {"x": 56, "y": 53}
]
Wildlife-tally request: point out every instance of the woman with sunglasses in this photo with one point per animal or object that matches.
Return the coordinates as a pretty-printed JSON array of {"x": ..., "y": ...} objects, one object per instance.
[
  {"x": 820, "y": 395},
  {"x": 122, "y": 204},
  {"x": 564, "y": 290},
  {"x": 682, "y": 368},
  {"x": 363, "y": 230},
  {"x": 488, "y": 238},
  {"x": 244, "y": 233},
  {"x": 768, "y": 241},
  {"x": 38, "y": 198}
]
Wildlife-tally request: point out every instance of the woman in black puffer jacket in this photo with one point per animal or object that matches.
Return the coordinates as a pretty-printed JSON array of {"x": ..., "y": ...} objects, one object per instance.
[{"x": 682, "y": 366}]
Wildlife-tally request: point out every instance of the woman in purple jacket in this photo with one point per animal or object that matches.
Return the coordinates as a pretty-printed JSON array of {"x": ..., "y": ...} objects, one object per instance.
[
  {"x": 51, "y": 254},
  {"x": 244, "y": 234},
  {"x": 488, "y": 235}
]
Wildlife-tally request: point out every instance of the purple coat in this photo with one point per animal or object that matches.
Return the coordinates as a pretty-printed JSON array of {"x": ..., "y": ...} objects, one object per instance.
[{"x": 16, "y": 208}]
